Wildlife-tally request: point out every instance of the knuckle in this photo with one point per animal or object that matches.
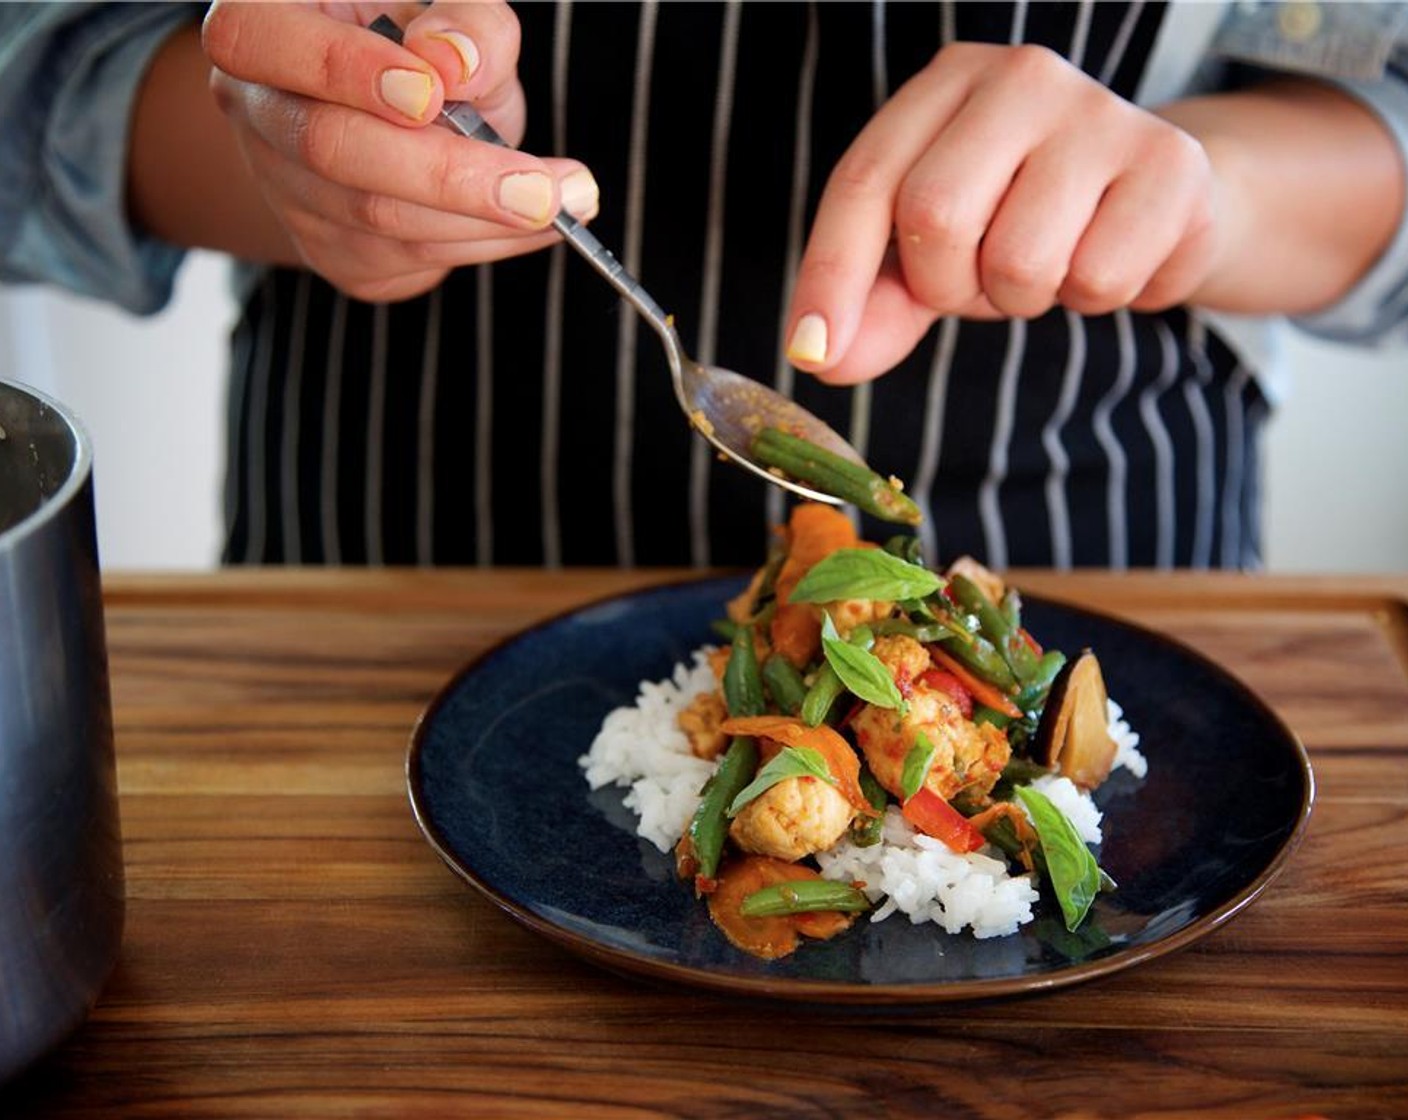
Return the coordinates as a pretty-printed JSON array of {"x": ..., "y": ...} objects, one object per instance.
[
  {"x": 931, "y": 213},
  {"x": 859, "y": 177},
  {"x": 507, "y": 35},
  {"x": 1035, "y": 63},
  {"x": 319, "y": 139},
  {"x": 824, "y": 266},
  {"x": 1098, "y": 288},
  {"x": 220, "y": 35},
  {"x": 1006, "y": 267},
  {"x": 1181, "y": 157},
  {"x": 448, "y": 180},
  {"x": 376, "y": 213}
]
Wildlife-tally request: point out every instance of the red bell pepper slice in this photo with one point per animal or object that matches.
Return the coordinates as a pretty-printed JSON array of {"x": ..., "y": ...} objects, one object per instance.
[{"x": 933, "y": 816}]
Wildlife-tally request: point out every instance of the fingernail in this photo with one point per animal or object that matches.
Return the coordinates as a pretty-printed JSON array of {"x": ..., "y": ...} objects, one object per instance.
[
  {"x": 808, "y": 343},
  {"x": 464, "y": 47},
  {"x": 407, "y": 91},
  {"x": 580, "y": 195},
  {"x": 527, "y": 194}
]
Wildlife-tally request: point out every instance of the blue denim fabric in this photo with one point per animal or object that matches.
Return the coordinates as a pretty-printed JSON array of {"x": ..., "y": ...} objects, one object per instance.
[
  {"x": 1362, "y": 49},
  {"x": 69, "y": 74}
]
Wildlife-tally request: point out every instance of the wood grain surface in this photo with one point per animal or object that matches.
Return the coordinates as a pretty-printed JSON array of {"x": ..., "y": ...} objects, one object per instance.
[{"x": 295, "y": 949}]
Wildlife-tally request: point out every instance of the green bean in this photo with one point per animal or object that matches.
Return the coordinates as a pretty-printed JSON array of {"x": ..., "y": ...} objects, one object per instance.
[
  {"x": 725, "y": 628},
  {"x": 823, "y": 693},
  {"x": 784, "y": 683},
  {"x": 709, "y": 826},
  {"x": 743, "y": 684},
  {"x": 907, "y": 547},
  {"x": 924, "y": 632},
  {"x": 1034, "y": 691},
  {"x": 830, "y": 473},
  {"x": 866, "y": 831},
  {"x": 803, "y": 896},
  {"x": 996, "y": 627},
  {"x": 1011, "y": 608},
  {"x": 982, "y": 658},
  {"x": 983, "y": 714}
]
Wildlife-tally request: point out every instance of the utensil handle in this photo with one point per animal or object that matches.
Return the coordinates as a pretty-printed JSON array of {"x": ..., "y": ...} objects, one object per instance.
[{"x": 465, "y": 119}]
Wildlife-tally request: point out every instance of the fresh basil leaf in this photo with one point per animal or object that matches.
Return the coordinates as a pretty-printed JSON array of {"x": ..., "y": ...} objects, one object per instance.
[
  {"x": 917, "y": 763},
  {"x": 1075, "y": 875},
  {"x": 860, "y": 670},
  {"x": 790, "y": 762},
  {"x": 863, "y": 573}
]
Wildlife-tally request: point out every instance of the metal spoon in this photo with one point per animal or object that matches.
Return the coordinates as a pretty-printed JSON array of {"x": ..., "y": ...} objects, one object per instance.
[{"x": 726, "y": 408}]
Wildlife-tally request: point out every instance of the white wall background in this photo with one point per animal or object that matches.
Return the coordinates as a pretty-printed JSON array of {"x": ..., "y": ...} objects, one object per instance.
[{"x": 151, "y": 393}]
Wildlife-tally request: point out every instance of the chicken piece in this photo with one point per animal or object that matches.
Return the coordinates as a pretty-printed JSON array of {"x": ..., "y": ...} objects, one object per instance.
[
  {"x": 792, "y": 819},
  {"x": 906, "y": 659},
  {"x": 847, "y": 614},
  {"x": 967, "y": 756},
  {"x": 989, "y": 582},
  {"x": 700, "y": 720}
]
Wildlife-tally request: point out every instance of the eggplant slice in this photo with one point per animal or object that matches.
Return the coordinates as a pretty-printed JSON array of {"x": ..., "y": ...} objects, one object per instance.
[{"x": 1074, "y": 734}]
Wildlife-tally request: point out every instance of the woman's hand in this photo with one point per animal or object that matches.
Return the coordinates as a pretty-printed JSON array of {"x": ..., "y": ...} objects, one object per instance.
[
  {"x": 999, "y": 181},
  {"x": 332, "y": 121}
]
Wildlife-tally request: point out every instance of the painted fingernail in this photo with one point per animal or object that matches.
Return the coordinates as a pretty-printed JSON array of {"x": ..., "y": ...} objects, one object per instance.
[
  {"x": 808, "y": 343},
  {"x": 464, "y": 47},
  {"x": 527, "y": 194},
  {"x": 580, "y": 195},
  {"x": 407, "y": 91}
]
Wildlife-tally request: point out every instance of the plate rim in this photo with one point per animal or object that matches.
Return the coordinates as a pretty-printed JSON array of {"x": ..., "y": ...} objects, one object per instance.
[{"x": 793, "y": 989}]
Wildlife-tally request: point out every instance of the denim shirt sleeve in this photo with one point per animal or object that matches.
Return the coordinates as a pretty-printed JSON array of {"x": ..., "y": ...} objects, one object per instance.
[
  {"x": 1361, "y": 49},
  {"x": 69, "y": 75},
  {"x": 1377, "y": 307}
]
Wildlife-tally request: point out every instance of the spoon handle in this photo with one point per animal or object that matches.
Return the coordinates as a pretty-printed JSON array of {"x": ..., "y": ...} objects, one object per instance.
[{"x": 465, "y": 119}]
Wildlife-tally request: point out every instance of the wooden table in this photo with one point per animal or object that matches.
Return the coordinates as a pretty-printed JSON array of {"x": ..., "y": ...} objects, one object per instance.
[{"x": 294, "y": 948}]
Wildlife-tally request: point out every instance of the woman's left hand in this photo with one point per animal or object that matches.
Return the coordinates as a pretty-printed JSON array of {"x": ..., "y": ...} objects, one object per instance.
[{"x": 998, "y": 182}]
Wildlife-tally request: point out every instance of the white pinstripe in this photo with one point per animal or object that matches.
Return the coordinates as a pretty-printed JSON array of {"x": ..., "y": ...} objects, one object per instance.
[
  {"x": 425, "y": 431},
  {"x": 1116, "y": 498},
  {"x": 1251, "y": 554},
  {"x": 801, "y": 171},
  {"x": 1019, "y": 22},
  {"x": 700, "y": 456},
  {"x": 932, "y": 435},
  {"x": 1121, "y": 43},
  {"x": 332, "y": 410},
  {"x": 1056, "y": 508},
  {"x": 629, "y": 322},
  {"x": 862, "y": 395},
  {"x": 1080, "y": 36},
  {"x": 484, "y": 417},
  {"x": 293, "y": 392},
  {"x": 1236, "y": 466},
  {"x": 1162, "y": 444},
  {"x": 376, "y": 436},
  {"x": 255, "y": 541},
  {"x": 994, "y": 534},
  {"x": 1202, "y": 427},
  {"x": 551, "y": 513},
  {"x": 948, "y": 23}
]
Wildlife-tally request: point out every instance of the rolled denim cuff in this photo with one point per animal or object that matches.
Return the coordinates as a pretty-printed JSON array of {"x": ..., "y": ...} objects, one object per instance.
[
  {"x": 69, "y": 76},
  {"x": 1376, "y": 308}
]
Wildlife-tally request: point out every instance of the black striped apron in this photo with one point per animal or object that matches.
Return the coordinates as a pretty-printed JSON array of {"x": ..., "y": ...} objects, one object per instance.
[{"x": 521, "y": 414}]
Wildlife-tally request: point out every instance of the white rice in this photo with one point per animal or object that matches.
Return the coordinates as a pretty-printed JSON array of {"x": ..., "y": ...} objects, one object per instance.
[{"x": 642, "y": 747}]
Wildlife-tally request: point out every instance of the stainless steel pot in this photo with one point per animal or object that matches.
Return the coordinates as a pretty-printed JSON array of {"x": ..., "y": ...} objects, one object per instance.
[{"x": 61, "y": 882}]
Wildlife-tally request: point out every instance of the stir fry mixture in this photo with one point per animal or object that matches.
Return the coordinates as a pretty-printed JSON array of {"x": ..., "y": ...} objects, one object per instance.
[{"x": 857, "y": 681}]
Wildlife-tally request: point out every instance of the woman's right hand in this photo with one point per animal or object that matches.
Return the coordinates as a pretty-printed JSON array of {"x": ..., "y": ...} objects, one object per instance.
[{"x": 332, "y": 120}]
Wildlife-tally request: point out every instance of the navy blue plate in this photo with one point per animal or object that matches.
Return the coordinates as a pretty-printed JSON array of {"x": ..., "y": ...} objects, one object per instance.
[{"x": 496, "y": 788}]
